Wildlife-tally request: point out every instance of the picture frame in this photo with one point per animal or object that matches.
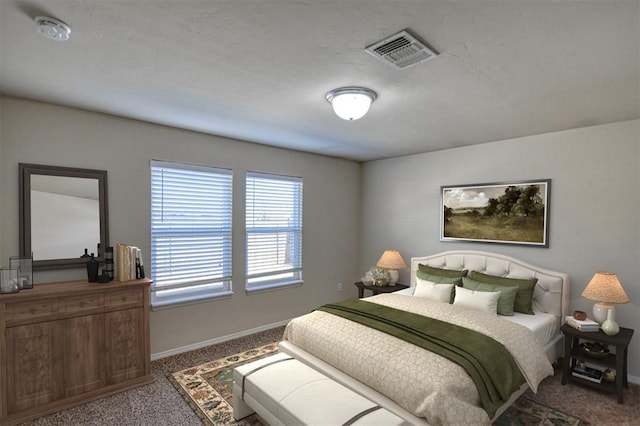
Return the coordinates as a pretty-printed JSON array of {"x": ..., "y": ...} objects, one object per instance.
[{"x": 505, "y": 213}]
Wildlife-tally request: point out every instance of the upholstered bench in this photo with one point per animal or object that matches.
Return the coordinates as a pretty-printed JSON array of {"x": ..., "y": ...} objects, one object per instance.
[{"x": 284, "y": 391}]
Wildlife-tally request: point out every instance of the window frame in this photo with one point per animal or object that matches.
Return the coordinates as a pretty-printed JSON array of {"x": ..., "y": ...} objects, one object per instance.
[
  {"x": 171, "y": 295},
  {"x": 296, "y": 271}
]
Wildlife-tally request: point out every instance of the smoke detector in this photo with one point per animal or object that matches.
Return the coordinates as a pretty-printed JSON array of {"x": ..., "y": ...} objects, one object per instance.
[
  {"x": 401, "y": 50},
  {"x": 52, "y": 28}
]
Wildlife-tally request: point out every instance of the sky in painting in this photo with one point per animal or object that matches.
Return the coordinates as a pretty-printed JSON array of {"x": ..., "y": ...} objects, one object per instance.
[{"x": 474, "y": 196}]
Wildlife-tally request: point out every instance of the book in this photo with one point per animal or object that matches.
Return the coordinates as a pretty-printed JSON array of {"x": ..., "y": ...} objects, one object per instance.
[
  {"x": 588, "y": 373},
  {"x": 129, "y": 263},
  {"x": 583, "y": 325}
]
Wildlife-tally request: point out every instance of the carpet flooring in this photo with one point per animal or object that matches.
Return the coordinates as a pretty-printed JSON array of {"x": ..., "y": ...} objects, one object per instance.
[{"x": 159, "y": 404}]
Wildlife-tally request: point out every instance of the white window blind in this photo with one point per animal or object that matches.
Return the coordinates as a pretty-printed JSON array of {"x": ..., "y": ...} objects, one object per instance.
[
  {"x": 190, "y": 232},
  {"x": 274, "y": 230}
]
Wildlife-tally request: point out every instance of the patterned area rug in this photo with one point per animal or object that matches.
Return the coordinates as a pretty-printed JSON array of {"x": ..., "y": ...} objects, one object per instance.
[{"x": 207, "y": 389}]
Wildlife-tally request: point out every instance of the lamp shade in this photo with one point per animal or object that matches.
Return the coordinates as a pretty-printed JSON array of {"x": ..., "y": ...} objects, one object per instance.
[
  {"x": 351, "y": 103},
  {"x": 605, "y": 287},
  {"x": 391, "y": 259}
]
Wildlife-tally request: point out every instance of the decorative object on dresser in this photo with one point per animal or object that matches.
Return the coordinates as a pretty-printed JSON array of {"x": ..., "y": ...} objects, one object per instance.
[
  {"x": 505, "y": 213},
  {"x": 606, "y": 290},
  {"x": 391, "y": 261},
  {"x": 9, "y": 280},
  {"x": 25, "y": 270},
  {"x": 63, "y": 344}
]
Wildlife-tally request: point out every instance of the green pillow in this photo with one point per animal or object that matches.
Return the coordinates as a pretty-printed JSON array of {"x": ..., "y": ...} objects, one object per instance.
[
  {"x": 456, "y": 281},
  {"x": 441, "y": 272},
  {"x": 524, "y": 298},
  {"x": 507, "y": 293},
  {"x": 439, "y": 279}
]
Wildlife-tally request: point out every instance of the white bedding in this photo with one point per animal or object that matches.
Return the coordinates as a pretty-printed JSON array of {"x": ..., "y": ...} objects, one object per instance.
[
  {"x": 544, "y": 326},
  {"x": 423, "y": 383}
]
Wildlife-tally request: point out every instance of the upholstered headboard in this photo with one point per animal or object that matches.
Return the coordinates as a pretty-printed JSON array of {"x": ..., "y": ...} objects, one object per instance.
[{"x": 551, "y": 294}]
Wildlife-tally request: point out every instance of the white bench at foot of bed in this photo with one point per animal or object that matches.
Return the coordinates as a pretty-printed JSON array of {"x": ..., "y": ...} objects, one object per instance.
[{"x": 284, "y": 391}]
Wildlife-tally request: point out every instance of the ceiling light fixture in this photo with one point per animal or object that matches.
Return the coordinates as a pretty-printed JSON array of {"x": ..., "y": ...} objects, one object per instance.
[
  {"x": 351, "y": 103},
  {"x": 52, "y": 28}
]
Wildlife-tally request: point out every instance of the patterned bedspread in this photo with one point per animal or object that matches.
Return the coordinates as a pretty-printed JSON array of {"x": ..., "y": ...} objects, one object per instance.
[{"x": 423, "y": 383}]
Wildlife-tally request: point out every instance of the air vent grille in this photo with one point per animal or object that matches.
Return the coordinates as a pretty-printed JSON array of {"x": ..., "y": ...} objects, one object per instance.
[{"x": 401, "y": 50}]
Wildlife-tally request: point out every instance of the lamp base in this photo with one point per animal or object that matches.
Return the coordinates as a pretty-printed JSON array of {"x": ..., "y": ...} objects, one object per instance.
[
  {"x": 601, "y": 311},
  {"x": 393, "y": 276}
]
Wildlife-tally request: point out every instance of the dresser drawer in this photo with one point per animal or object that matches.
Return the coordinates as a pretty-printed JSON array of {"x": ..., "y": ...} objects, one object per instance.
[
  {"x": 31, "y": 312},
  {"x": 80, "y": 305},
  {"x": 123, "y": 299}
]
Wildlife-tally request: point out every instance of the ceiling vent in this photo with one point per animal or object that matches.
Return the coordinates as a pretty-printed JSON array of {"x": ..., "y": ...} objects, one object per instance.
[{"x": 401, "y": 50}]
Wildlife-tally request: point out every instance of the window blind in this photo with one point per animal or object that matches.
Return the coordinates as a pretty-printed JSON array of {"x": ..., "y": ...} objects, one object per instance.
[
  {"x": 191, "y": 222},
  {"x": 274, "y": 230}
]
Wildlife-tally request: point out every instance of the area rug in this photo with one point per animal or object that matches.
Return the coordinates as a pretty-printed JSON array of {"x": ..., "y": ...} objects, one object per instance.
[{"x": 208, "y": 389}]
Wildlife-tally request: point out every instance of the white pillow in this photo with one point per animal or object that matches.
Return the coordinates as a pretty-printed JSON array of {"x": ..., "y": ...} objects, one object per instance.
[
  {"x": 433, "y": 291},
  {"x": 480, "y": 300}
]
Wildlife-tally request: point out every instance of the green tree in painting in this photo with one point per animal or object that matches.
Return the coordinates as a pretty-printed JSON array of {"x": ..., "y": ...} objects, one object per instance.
[{"x": 516, "y": 201}]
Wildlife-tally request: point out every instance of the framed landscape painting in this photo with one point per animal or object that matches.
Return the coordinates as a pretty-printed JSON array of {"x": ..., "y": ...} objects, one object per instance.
[{"x": 506, "y": 213}]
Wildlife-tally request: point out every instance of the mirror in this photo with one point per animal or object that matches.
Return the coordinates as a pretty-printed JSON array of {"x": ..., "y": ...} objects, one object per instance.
[{"x": 63, "y": 210}]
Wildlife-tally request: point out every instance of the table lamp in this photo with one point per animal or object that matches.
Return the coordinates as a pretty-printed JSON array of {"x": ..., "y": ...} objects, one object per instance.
[
  {"x": 606, "y": 290},
  {"x": 391, "y": 261}
]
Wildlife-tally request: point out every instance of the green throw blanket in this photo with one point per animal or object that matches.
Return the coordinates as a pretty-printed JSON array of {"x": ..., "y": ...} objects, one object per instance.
[{"x": 490, "y": 365}]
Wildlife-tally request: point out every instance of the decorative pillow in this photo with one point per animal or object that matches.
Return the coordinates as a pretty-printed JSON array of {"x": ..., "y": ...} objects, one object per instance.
[
  {"x": 507, "y": 293},
  {"x": 456, "y": 281},
  {"x": 433, "y": 291},
  {"x": 524, "y": 298},
  {"x": 486, "y": 301},
  {"x": 441, "y": 272}
]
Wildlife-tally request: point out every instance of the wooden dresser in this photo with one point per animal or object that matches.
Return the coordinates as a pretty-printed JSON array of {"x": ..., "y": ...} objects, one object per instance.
[{"x": 63, "y": 344}]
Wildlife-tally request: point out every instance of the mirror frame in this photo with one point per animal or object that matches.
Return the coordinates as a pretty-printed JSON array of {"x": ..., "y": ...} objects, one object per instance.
[{"x": 25, "y": 173}]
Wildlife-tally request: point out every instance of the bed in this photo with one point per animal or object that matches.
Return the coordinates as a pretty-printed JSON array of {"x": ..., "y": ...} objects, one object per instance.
[{"x": 416, "y": 384}]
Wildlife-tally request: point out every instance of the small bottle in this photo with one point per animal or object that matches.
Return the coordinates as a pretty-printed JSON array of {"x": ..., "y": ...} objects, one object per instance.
[{"x": 92, "y": 269}]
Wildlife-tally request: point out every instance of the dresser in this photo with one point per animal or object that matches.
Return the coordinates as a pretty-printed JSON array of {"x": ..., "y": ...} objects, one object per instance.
[{"x": 63, "y": 344}]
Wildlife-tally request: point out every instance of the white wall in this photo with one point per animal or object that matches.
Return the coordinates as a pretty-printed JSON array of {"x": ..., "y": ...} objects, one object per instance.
[
  {"x": 46, "y": 134},
  {"x": 595, "y": 206}
]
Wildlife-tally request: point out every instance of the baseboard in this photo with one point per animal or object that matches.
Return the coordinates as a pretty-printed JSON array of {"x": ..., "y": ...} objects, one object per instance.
[
  {"x": 222, "y": 339},
  {"x": 634, "y": 379}
]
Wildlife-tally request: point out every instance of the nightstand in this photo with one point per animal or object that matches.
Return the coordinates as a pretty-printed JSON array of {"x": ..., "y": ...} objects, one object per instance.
[
  {"x": 377, "y": 289},
  {"x": 618, "y": 361}
]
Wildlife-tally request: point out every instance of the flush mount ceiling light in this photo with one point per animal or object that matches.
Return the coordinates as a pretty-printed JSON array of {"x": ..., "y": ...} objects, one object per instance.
[
  {"x": 351, "y": 103},
  {"x": 52, "y": 28}
]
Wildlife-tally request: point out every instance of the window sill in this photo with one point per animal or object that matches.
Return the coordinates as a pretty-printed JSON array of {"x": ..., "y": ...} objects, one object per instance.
[
  {"x": 186, "y": 299},
  {"x": 273, "y": 287}
]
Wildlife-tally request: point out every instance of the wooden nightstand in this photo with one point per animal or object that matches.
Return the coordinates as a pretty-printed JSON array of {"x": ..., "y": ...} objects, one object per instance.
[
  {"x": 377, "y": 289},
  {"x": 618, "y": 361}
]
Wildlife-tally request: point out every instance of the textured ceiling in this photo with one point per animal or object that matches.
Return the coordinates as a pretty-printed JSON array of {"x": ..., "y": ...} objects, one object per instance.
[{"x": 258, "y": 70}]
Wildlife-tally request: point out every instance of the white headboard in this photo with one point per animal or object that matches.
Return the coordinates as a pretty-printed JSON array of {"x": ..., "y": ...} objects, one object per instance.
[{"x": 550, "y": 295}]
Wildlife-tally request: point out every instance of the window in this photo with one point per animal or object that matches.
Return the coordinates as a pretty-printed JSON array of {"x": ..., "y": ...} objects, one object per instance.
[
  {"x": 274, "y": 231},
  {"x": 190, "y": 232}
]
